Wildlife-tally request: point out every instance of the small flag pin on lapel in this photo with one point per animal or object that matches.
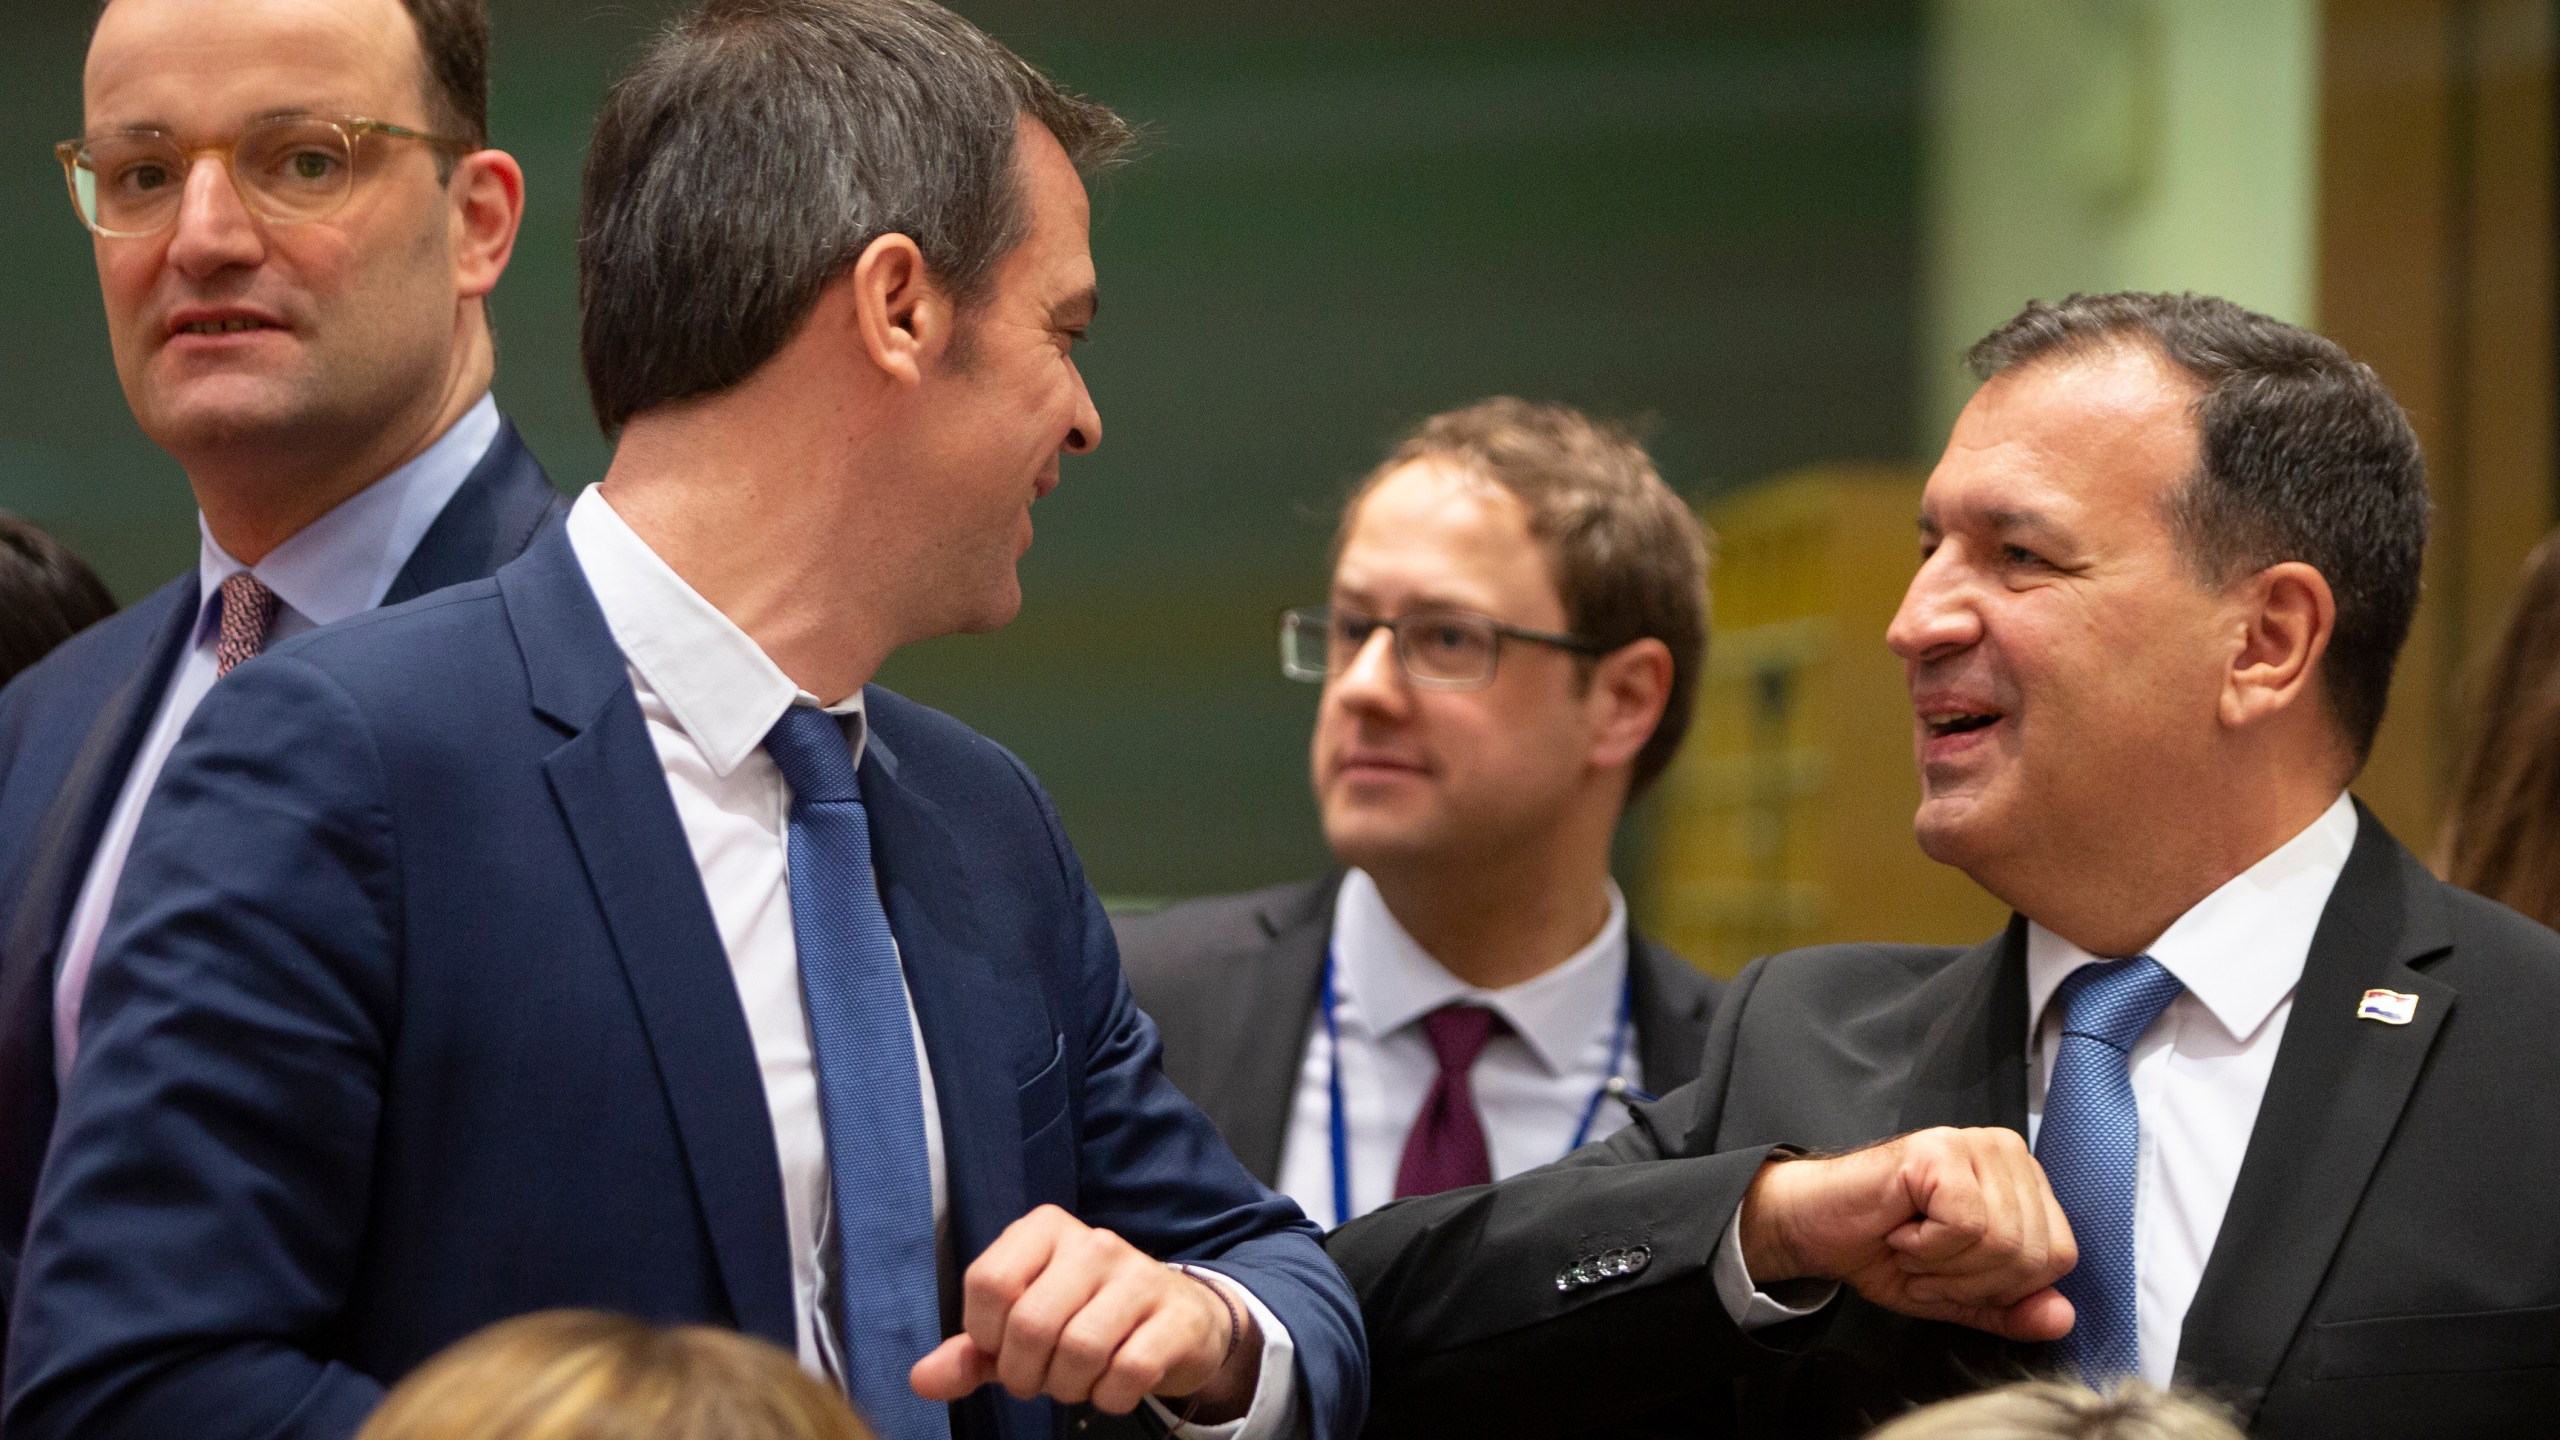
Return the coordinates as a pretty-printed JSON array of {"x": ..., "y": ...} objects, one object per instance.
[{"x": 2388, "y": 1006}]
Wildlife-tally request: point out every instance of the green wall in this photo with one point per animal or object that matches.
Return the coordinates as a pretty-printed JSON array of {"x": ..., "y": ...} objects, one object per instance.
[{"x": 1701, "y": 214}]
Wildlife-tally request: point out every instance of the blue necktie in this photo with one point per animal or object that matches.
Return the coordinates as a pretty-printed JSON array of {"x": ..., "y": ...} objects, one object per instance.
[
  {"x": 2090, "y": 1145},
  {"x": 868, "y": 1090}
]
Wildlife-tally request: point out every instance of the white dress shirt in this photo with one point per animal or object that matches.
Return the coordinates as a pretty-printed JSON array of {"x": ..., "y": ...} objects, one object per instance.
[
  {"x": 338, "y": 565},
  {"x": 1532, "y": 1085},
  {"x": 710, "y": 695},
  {"x": 2199, "y": 1073}
]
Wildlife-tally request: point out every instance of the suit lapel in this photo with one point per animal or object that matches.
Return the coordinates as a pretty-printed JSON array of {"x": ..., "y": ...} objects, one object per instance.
[
  {"x": 972, "y": 1003},
  {"x": 2331, "y": 1106},
  {"x": 491, "y": 518},
  {"x": 612, "y": 794},
  {"x": 1670, "y": 1017},
  {"x": 1268, "y": 1018},
  {"x": 65, "y": 843},
  {"x": 1972, "y": 1066}
]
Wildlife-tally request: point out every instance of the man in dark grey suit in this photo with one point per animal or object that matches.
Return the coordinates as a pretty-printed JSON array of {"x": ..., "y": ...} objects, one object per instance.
[
  {"x": 1516, "y": 624},
  {"x": 2283, "y": 1088}
]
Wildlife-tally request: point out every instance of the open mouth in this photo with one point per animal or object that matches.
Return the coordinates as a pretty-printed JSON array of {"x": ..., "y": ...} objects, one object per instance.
[{"x": 1947, "y": 723}]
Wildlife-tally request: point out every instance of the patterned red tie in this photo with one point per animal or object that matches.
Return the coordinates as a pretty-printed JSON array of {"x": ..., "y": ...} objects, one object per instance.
[
  {"x": 248, "y": 609},
  {"x": 1447, "y": 1148}
]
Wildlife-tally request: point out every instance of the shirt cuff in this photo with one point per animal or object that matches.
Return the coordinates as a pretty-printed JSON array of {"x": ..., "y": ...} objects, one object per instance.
[
  {"x": 1753, "y": 1308},
  {"x": 1274, "y": 1412}
]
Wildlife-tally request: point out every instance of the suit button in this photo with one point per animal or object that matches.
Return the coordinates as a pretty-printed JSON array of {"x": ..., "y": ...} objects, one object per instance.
[{"x": 1637, "y": 1259}]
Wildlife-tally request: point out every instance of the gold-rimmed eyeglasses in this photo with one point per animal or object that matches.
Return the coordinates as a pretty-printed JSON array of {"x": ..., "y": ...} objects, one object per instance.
[
  {"x": 1438, "y": 649},
  {"x": 292, "y": 168}
]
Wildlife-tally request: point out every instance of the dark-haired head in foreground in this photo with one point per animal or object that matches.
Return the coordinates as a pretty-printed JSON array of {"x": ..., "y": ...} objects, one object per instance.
[{"x": 47, "y": 595}]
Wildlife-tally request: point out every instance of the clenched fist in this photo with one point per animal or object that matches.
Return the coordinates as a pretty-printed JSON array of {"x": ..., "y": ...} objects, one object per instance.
[
  {"x": 1058, "y": 1308},
  {"x": 1955, "y": 1225}
]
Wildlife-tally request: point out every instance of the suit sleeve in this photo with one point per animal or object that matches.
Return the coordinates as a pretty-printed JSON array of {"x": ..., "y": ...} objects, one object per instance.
[
  {"x": 1519, "y": 1308},
  {"x": 198, "y": 1217},
  {"x": 1153, "y": 1168}
]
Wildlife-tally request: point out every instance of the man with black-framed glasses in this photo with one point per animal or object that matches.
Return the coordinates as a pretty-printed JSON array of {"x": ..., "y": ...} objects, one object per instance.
[
  {"x": 296, "y": 221},
  {"x": 1512, "y": 642}
]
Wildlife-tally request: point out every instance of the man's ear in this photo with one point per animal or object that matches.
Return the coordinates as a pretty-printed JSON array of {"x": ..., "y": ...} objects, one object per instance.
[
  {"x": 1629, "y": 687},
  {"x": 904, "y": 319},
  {"x": 2288, "y": 613},
  {"x": 487, "y": 191}
]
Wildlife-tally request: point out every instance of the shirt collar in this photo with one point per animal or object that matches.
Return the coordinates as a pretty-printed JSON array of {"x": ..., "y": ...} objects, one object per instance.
[
  {"x": 1392, "y": 981},
  {"x": 2241, "y": 950},
  {"x": 718, "y": 685},
  {"x": 343, "y": 563}
]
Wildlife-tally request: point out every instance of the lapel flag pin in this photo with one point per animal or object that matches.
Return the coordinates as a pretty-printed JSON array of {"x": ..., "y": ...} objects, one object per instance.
[{"x": 2388, "y": 1006}]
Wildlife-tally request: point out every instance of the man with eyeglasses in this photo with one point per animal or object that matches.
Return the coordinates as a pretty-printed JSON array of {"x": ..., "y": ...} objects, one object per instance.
[
  {"x": 1517, "y": 621},
  {"x": 297, "y": 223}
]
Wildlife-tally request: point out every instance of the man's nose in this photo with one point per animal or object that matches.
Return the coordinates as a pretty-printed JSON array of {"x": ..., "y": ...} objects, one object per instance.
[
  {"x": 1935, "y": 618},
  {"x": 1085, "y": 436},
  {"x": 214, "y": 229},
  {"x": 1373, "y": 678}
]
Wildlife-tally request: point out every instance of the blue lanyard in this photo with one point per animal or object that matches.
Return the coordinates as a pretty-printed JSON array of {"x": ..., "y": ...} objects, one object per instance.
[{"x": 1613, "y": 1084}]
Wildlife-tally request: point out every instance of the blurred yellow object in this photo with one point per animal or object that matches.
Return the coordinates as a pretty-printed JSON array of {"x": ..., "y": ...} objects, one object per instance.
[{"x": 1787, "y": 819}]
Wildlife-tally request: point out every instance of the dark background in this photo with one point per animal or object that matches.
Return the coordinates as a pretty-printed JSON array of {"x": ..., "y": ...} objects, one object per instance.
[{"x": 1702, "y": 216}]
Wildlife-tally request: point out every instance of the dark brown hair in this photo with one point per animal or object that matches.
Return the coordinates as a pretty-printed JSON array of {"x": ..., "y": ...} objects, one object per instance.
[
  {"x": 46, "y": 595},
  {"x": 453, "y": 35},
  {"x": 2303, "y": 456},
  {"x": 2502, "y": 837},
  {"x": 757, "y": 149},
  {"x": 1628, "y": 558}
]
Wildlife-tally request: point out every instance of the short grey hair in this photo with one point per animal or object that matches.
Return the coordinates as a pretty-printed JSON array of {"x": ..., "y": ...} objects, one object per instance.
[{"x": 761, "y": 145}]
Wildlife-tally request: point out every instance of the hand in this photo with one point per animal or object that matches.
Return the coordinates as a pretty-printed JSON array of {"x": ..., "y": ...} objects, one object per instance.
[
  {"x": 1058, "y": 1308},
  {"x": 1955, "y": 1225}
]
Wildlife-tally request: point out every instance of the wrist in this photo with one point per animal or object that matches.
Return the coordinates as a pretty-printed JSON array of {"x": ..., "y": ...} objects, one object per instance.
[
  {"x": 1228, "y": 1392},
  {"x": 1768, "y": 1250}
]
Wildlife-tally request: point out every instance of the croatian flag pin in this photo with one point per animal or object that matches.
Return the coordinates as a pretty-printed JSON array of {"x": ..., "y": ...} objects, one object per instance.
[{"x": 2388, "y": 1006}]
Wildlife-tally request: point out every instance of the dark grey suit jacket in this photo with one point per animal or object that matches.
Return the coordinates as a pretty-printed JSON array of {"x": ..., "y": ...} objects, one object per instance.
[
  {"x": 1233, "y": 981},
  {"x": 2389, "y": 1264}
]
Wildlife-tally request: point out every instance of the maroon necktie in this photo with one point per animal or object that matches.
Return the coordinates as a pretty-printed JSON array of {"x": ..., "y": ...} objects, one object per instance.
[
  {"x": 1446, "y": 1149},
  {"x": 248, "y": 609}
]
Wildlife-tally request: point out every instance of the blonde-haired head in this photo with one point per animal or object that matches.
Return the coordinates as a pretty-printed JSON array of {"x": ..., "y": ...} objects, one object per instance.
[
  {"x": 588, "y": 1375},
  {"x": 2046, "y": 1410}
]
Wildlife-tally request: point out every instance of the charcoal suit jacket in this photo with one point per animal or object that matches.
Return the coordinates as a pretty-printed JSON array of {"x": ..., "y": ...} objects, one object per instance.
[
  {"x": 2389, "y": 1264},
  {"x": 1233, "y": 981}
]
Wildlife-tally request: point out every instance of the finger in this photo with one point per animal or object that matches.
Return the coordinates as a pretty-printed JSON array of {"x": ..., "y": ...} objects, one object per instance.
[
  {"x": 1164, "y": 1356},
  {"x": 1947, "y": 1196},
  {"x": 953, "y": 1369},
  {"x": 1003, "y": 1271},
  {"x": 1077, "y": 1266},
  {"x": 1095, "y": 1334},
  {"x": 2045, "y": 1315}
]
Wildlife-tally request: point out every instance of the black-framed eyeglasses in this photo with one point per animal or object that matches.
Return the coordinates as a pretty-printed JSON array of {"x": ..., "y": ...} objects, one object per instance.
[
  {"x": 287, "y": 169},
  {"x": 1438, "y": 649}
]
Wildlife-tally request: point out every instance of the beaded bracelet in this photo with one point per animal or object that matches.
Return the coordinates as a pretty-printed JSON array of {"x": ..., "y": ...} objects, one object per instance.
[{"x": 1235, "y": 1332}]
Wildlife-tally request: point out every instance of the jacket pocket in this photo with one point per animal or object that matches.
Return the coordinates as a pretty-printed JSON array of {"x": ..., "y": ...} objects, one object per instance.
[{"x": 2439, "y": 1344}]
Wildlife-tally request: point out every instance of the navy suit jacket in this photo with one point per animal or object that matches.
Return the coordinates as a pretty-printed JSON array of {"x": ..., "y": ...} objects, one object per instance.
[
  {"x": 412, "y": 1016},
  {"x": 69, "y": 729}
]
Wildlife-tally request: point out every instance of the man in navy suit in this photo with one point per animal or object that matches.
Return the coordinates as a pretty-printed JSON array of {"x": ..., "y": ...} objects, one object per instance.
[
  {"x": 595, "y": 935},
  {"x": 297, "y": 220}
]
